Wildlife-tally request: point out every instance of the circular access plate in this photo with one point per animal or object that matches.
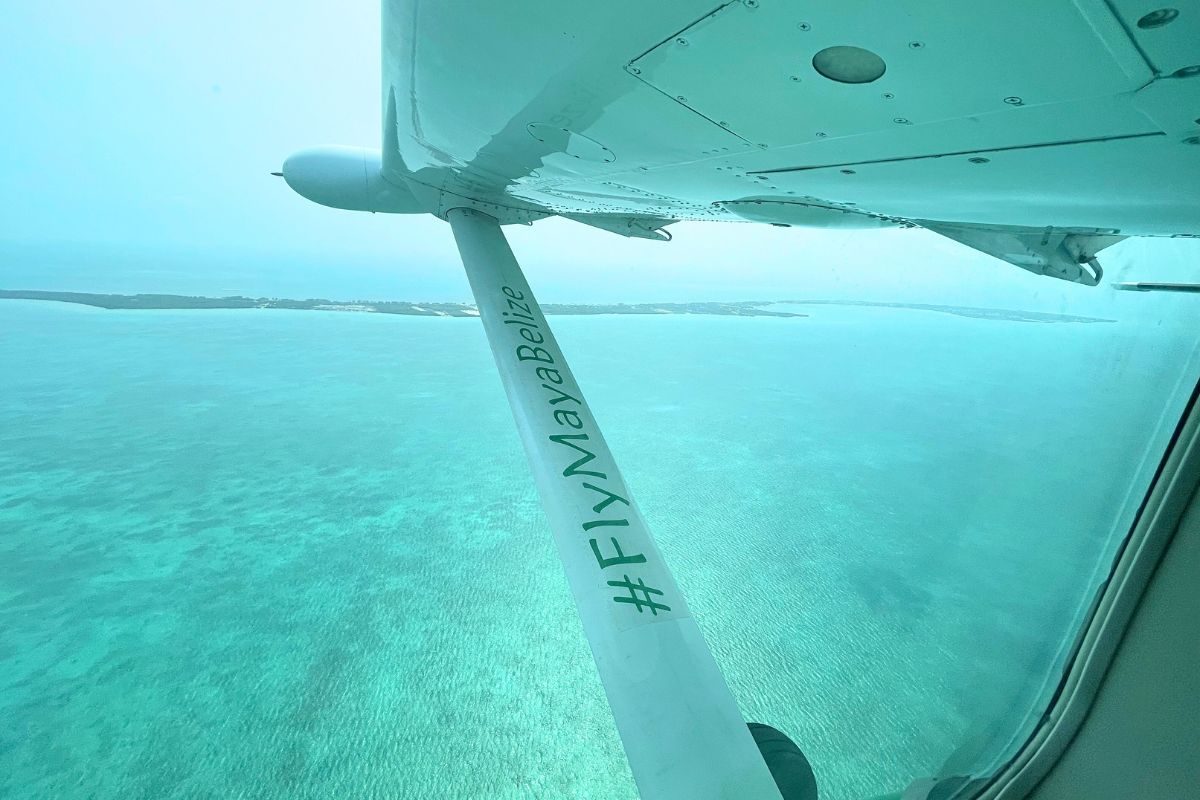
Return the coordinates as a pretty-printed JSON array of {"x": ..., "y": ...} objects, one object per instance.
[{"x": 846, "y": 64}]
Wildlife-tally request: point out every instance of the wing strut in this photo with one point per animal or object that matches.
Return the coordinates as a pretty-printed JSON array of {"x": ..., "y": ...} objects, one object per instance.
[{"x": 680, "y": 726}]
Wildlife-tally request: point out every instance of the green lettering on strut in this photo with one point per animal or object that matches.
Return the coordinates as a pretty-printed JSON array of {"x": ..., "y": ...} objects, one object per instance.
[
  {"x": 550, "y": 374},
  {"x": 528, "y": 353},
  {"x": 646, "y": 600},
  {"x": 638, "y": 594},
  {"x": 609, "y": 497},
  {"x": 572, "y": 470},
  {"x": 561, "y": 395},
  {"x": 569, "y": 418},
  {"x": 606, "y": 523},
  {"x": 522, "y": 308},
  {"x": 528, "y": 335},
  {"x": 619, "y": 558}
]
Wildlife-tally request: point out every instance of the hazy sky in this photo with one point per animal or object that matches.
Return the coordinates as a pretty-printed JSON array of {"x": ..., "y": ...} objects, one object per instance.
[{"x": 139, "y": 136}]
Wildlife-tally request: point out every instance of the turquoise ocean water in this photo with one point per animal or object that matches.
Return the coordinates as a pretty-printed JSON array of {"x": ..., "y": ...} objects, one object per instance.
[{"x": 272, "y": 554}]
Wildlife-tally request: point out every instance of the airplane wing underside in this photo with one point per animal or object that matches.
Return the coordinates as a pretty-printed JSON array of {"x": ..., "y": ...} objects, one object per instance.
[
  {"x": 1042, "y": 118},
  {"x": 1039, "y": 131}
]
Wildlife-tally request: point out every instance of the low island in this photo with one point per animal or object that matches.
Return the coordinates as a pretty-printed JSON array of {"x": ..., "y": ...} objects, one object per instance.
[{"x": 744, "y": 308}]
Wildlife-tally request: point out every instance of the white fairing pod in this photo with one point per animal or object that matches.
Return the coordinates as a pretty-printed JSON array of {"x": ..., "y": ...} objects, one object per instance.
[{"x": 349, "y": 178}]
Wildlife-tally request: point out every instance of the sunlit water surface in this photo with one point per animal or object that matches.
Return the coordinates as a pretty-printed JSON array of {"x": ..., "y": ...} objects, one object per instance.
[{"x": 298, "y": 555}]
